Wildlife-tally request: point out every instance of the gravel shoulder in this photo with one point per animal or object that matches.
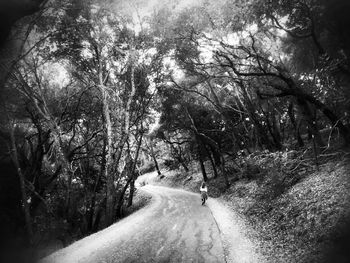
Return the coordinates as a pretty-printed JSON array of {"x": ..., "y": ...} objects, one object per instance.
[{"x": 234, "y": 231}]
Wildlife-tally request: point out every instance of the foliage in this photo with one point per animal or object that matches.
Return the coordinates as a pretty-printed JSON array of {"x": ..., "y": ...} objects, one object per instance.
[{"x": 147, "y": 167}]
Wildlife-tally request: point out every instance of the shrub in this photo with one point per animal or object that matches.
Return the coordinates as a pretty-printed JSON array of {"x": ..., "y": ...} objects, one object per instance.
[
  {"x": 275, "y": 172},
  {"x": 275, "y": 184},
  {"x": 251, "y": 171},
  {"x": 171, "y": 164},
  {"x": 147, "y": 167}
]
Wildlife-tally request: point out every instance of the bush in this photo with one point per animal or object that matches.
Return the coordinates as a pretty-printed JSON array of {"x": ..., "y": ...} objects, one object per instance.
[
  {"x": 251, "y": 171},
  {"x": 147, "y": 167},
  {"x": 274, "y": 185},
  {"x": 171, "y": 164},
  {"x": 275, "y": 172}
]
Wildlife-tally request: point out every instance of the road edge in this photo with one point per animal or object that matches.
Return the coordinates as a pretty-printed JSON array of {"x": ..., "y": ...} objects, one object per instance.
[{"x": 237, "y": 246}]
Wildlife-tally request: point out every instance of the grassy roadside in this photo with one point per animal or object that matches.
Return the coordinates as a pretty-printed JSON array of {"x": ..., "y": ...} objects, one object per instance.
[{"x": 299, "y": 214}]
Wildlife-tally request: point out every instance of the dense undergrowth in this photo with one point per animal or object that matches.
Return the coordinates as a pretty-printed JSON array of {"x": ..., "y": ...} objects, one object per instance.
[
  {"x": 298, "y": 206},
  {"x": 55, "y": 234}
]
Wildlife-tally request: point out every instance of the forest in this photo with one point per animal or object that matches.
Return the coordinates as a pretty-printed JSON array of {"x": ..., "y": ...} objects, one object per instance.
[{"x": 96, "y": 93}]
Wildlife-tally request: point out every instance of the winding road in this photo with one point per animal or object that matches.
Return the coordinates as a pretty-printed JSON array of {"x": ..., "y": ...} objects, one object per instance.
[{"x": 175, "y": 227}]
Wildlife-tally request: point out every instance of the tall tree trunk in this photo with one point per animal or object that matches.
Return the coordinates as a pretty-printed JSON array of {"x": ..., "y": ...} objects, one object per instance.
[
  {"x": 132, "y": 183},
  {"x": 25, "y": 205},
  {"x": 98, "y": 215},
  {"x": 295, "y": 126},
  {"x": 93, "y": 211},
  {"x": 154, "y": 157},
  {"x": 110, "y": 191},
  {"x": 131, "y": 190},
  {"x": 121, "y": 198},
  {"x": 201, "y": 164},
  {"x": 68, "y": 195},
  {"x": 276, "y": 133},
  {"x": 276, "y": 137},
  {"x": 311, "y": 122},
  {"x": 227, "y": 183},
  {"x": 211, "y": 162},
  {"x": 200, "y": 145}
]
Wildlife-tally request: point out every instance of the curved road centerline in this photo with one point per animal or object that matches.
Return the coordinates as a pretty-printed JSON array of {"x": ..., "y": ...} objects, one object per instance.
[{"x": 175, "y": 227}]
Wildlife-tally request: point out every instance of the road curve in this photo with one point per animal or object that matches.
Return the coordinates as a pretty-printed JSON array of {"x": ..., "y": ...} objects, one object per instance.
[{"x": 175, "y": 227}]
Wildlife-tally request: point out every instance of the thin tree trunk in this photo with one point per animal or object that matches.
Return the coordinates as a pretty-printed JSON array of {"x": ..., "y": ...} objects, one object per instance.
[
  {"x": 261, "y": 132},
  {"x": 335, "y": 121},
  {"x": 68, "y": 195},
  {"x": 183, "y": 164},
  {"x": 98, "y": 215},
  {"x": 276, "y": 132},
  {"x": 312, "y": 125},
  {"x": 201, "y": 164},
  {"x": 272, "y": 128},
  {"x": 178, "y": 154},
  {"x": 107, "y": 171},
  {"x": 132, "y": 183},
  {"x": 154, "y": 158},
  {"x": 92, "y": 211},
  {"x": 275, "y": 138},
  {"x": 110, "y": 191},
  {"x": 224, "y": 172},
  {"x": 294, "y": 123},
  {"x": 121, "y": 198},
  {"x": 131, "y": 191},
  {"x": 211, "y": 162},
  {"x": 199, "y": 145}
]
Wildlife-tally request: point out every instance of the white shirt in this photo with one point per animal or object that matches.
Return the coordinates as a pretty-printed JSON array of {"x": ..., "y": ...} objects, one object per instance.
[{"x": 203, "y": 189}]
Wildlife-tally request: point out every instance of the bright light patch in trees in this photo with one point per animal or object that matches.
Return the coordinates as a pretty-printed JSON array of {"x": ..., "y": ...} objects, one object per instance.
[
  {"x": 95, "y": 9},
  {"x": 170, "y": 66},
  {"x": 143, "y": 8},
  {"x": 154, "y": 126},
  {"x": 86, "y": 53},
  {"x": 251, "y": 28},
  {"x": 206, "y": 48},
  {"x": 232, "y": 39},
  {"x": 169, "y": 60},
  {"x": 146, "y": 56},
  {"x": 57, "y": 75},
  {"x": 178, "y": 74}
]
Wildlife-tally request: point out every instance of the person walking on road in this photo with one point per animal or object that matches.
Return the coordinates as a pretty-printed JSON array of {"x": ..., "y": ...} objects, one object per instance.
[{"x": 204, "y": 192}]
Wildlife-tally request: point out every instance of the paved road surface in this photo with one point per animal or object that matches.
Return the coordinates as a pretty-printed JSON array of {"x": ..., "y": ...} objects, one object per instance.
[{"x": 174, "y": 228}]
